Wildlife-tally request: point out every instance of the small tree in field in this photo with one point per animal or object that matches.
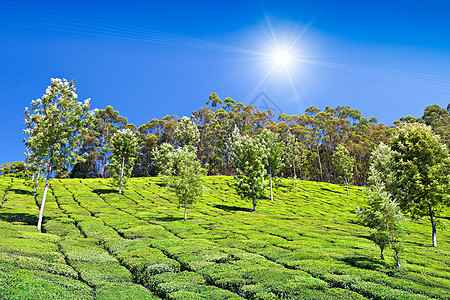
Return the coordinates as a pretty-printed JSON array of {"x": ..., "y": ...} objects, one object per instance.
[
  {"x": 274, "y": 153},
  {"x": 343, "y": 163},
  {"x": 124, "y": 147},
  {"x": 385, "y": 218},
  {"x": 182, "y": 172},
  {"x": 421, "y": 172},
  {"x": 248, "y": 156},
  {"x": 54, "y": 123}
]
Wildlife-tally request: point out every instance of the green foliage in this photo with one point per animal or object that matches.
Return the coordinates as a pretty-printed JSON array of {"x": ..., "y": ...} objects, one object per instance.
[
  {"x": 54, "y": 127},
  {"x": 305, "y": 245},
  {"x": 344, "y": 164},
  {"x": 16, "y": 169},
  {"x": 421, "y": 172},
  {"x": 381, "y": 167},
  {"x": 248, "y": 156},
  {"x": 54, "y": 124},
  {"x": 295, "y": 155},
  {"x": 124, "y": 291},
  {"x": 124, "y": 147},
  {"x": 385, "y": 219},
  {"x": 187, "y": 133},
  {"x": 163, "y": 158},
  {"x": 183, "y": 173},
  {"x": 439, "y": 119},
  {"x": 274, "y": 154}
]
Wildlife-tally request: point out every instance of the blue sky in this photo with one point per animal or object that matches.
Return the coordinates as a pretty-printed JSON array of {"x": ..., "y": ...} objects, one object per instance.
[{"x": 152, "y": 58}]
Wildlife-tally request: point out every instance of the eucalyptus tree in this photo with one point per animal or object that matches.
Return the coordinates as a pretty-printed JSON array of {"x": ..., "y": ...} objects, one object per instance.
[
  {"x": 186, "y": 133},
  {"x": 124, "y": 147},
  {"x": 295, "y": 155},
  {"x": 54, "y": 124},
  {"x": 35, "y": 168},
  {"x": 214, "y": 100},
  {"x": 274, "y": 148},
  {"x": 105, "y": 124},
  {"x": 421, "y": 172},
  {"x": 439, "y": 119},
  {"x": 248, "y": 156},
  {"x": 343, "y": 164}
]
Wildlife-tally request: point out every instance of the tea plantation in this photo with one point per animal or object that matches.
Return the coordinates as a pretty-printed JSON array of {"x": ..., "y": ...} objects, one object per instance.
[{"x": 306, "y": 244}]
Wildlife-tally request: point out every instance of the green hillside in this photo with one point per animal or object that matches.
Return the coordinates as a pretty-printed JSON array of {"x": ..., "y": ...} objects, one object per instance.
[{"x": 303, "y": 245}]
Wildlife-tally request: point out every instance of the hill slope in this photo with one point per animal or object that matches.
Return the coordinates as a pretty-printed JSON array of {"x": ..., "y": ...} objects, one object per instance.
[{"x": 303, "y": 245}]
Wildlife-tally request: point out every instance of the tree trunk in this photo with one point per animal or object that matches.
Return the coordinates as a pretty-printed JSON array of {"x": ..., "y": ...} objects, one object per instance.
[
  {"x": 433, "y": 225},
  {"x": 271, "y": 190},
  {"x": 397, "y": 255},
  {"x": 41, "y": 210},
  {"x": 295, "y": 175},
  {"x": 253, "y": 194},
  {"x": 121, "y": 175},
  {"x": 320, "y": 164},
  {"x": 346, "y": 184},
  {"x": 381, "y": 253},
  {"x": 37, "y": 181},
  {"x": 104, "y": 167},
  {"x": 185, "y": 208},
  {"x": 36, "y": 185}
]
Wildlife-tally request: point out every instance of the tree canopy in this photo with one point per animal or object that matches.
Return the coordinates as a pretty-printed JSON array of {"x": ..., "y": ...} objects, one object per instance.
[
  {"x": 421, "y": 172},
  {"x": 248, "y": 156},
  {"x": 54, "y": 126}
]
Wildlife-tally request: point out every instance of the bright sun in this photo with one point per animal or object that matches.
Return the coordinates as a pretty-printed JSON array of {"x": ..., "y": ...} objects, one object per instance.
[{"x": 282, "y": 58}]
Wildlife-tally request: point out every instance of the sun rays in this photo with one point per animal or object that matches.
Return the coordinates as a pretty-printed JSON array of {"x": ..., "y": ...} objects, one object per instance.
[{"x": 281, "y": 59}]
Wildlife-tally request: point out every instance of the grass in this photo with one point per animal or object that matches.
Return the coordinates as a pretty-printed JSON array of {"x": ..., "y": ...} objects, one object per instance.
[{"x": 306, "y": 244}]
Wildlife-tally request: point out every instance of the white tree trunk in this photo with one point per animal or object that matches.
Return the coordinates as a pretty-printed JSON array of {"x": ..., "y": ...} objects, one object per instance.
[
  {"x": 253, "y": 194},
  {"x": 185, "y": 208},
  {"x": 271, "y": 190},
  {"x": 295, "y": 175},
  {"x": 121, "y": 175},
  {"x": 346, "y": 184},
  {"x": 37, "y": 182},
  {"x": 433, "y": 226},
  {"x": 41, "y": 210}
]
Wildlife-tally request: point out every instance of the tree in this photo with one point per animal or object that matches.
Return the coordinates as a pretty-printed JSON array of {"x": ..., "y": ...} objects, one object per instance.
[
  {"x": 439, "y": 119},
  {"x": 17, "y": 169},
  {"x": 385, "y": 218},
  {"x": 381, "y": 167},
  {"x": 54, "y": 123},
  {"x": 182, "y": 172},
  {"x": 294, "y": 155},
  {"x": 248, "y": 156},
  {"x": 343, "y": 163},
  {"x": 274, "y": 153},
  {"x": 214, "y": 100},
  {"x": 421, "y": 172},
  {"x": 105, "y": 124},
  {"x": 163, "y": 158},
  {"x": 187, "y": 134},
  {"x": 124, "y": 146}
]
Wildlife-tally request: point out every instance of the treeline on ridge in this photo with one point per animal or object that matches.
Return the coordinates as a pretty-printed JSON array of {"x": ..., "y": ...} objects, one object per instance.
[{"x": 317, "y": 133}]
